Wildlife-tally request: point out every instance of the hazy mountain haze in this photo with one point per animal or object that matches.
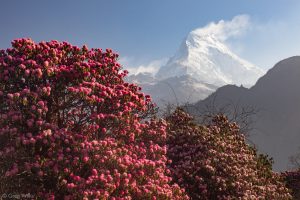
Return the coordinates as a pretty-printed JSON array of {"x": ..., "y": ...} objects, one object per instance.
[{"x": 276, "y": 96}]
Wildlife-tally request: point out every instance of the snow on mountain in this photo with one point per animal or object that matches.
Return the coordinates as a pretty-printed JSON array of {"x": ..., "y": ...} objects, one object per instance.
[
  {"x": 206, "y": 58},
  {"x": 142, "y": 78},
  {"x": 173, "y": 90},
  {"x": 201, "y": 65}
]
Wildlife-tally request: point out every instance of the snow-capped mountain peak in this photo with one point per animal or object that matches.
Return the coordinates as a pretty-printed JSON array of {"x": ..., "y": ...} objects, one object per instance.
[
  {"x": 201, "y": 65},
  {"x": 206, "y": 58}
]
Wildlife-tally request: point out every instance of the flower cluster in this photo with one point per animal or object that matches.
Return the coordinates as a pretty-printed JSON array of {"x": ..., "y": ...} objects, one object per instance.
[
  {"x": 214, "y": 161},
  {"x": 71, "y": 128}
]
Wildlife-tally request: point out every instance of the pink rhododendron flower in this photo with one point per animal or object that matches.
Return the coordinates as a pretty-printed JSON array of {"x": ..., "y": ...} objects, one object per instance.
[
  {"x": 91, "y": 133},
  {"x": 214, "y": 162}
]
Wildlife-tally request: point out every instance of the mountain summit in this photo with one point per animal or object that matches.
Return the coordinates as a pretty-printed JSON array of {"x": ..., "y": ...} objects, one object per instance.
[
  {"x": 201, "y": 65},
  {"x": 207, "y": 59}
]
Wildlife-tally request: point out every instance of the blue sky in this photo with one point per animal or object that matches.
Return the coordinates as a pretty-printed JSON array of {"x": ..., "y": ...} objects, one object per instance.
[{"x": 142, "y": 31}]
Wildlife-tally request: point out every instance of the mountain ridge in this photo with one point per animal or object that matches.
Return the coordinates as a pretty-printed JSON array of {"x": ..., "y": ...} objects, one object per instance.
[{"x": 276, "y": 95}]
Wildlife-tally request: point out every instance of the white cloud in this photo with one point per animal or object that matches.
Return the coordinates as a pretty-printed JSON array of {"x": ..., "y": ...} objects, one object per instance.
[
  {"x": 222, "y": 30},
  {"x": 263, "y": 42},
  {"x": 269, "y": 41},
  {"x": 150, "y": 67},
  {"x": 226, "y": 29}
]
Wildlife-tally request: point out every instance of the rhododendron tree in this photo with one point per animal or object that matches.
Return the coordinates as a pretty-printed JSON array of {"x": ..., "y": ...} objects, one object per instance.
[
  {"x": 292, "y": 179},
  {"x": 214, "y": 161},
  {"x": 71, "y": 128}
]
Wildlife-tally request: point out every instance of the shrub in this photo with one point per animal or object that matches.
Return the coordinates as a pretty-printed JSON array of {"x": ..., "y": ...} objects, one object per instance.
[
  {"x": 214, "y": 161},
  {"x": 292, "y": 179},
  {"x": 71, "y": 128}
]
